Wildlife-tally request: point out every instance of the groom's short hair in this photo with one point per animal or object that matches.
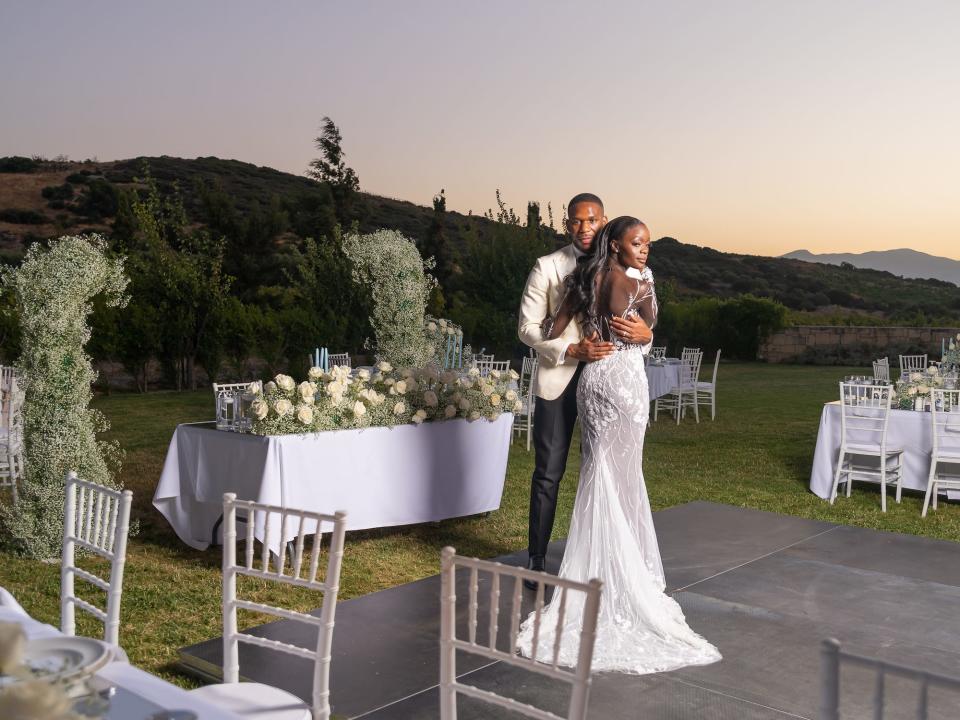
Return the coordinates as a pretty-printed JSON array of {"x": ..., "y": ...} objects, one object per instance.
[{"x": 584, "y": 198}]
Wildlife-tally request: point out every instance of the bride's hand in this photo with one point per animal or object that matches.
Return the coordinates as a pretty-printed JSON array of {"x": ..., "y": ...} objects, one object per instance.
[
  {"x": 632, "y": 329},
  {"x": 590, "y": 349}
]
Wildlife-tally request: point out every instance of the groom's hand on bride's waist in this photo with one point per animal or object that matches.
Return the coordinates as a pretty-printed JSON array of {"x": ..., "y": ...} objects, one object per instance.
[
  {"x": 632, "y": 330},
  {"x": 589, "y": 349}
]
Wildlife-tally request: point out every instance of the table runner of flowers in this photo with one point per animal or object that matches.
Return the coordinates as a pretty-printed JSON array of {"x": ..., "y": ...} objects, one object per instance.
[{"x": 339, "y": 399}]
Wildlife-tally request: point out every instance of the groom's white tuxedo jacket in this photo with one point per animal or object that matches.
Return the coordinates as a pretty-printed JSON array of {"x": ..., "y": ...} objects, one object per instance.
[{"x": 541, "y": 298}]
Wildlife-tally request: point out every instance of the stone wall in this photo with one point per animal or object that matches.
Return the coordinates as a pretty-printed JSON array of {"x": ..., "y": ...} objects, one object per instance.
[{"x": 807, "y": 343}]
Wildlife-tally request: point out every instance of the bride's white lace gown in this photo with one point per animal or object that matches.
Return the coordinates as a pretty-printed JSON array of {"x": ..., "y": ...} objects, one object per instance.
[{"x": 640, "y": 629}]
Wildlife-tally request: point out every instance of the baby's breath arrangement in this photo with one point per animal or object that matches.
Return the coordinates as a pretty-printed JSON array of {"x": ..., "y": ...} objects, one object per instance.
[
  {"x": 951, "y": 356},
  {"x": 391, "y": 267},
  {"x": 383, "y": 397},
  {"x": 918, "y": 385},
  {"x": 54, "y": 287}
]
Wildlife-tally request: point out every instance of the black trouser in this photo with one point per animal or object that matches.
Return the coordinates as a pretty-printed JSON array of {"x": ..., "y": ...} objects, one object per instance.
[{"x": 553, "y": 422}]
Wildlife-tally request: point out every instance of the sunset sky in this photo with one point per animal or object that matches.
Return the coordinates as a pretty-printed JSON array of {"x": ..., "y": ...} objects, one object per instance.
[{"x": 749, "y": 126}]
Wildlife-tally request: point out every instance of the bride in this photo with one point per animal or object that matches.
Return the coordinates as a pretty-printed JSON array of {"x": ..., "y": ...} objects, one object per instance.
[{"x": 640, "y": 629}]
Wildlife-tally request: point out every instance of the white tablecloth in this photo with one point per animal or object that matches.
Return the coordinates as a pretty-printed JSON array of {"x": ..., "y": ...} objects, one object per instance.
[
  {"x": 380, "y": 476},
  {"x": 124, "y": 675},
  {"x": 660, "y": 378},
  {"x": 907, "y": 429}
]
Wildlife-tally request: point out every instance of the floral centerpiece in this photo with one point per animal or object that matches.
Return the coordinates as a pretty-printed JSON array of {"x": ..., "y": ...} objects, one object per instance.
[
  {"x": 339, "y": 400},
  {"x": 914, "y": 391},
  {"x": 444, "y": 342}
]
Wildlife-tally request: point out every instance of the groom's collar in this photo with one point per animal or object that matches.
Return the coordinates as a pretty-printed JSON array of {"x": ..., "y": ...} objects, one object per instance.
[{"x": 577, "y": 252}]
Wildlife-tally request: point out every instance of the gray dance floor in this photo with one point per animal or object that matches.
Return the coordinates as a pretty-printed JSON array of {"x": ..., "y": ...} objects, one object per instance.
[{"x": 764, "y": 588}]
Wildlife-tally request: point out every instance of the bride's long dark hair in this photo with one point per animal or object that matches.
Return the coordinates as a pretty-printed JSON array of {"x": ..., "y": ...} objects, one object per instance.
[{"x": 581, "y": 283}]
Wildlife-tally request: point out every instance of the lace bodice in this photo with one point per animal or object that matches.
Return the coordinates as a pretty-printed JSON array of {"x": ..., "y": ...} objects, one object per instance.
[{"x": 617, "y": 295}]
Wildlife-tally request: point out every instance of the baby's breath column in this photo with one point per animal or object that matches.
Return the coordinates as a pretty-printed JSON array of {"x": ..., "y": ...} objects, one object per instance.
[
  {"x": 54, "y": 287},
  {"x": 390, "y": 266}
]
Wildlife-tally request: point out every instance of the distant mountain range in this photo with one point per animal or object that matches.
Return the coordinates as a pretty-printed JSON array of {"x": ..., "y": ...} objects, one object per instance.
[{"x": 903, "y": 262}]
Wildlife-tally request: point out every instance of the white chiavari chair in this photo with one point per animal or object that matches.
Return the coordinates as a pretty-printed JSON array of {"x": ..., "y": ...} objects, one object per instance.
[
  {"x": 881, "y": 370},
  {"x": 11, "y": 438},
  {"x": 912, "y": 363},
  {"x": 684, "y": 394},
  {"x": 96, "y": 520},
  {"x": 864, "y": 453},
  {"x": 945, "y": 458},
  {"x": 340, "y": 359},
  {"x": 689, "y": 352},
  {"x": 256, "y": 700},
  {"x": 707, "y": 391},
  {"x": 232, "y": 387},
  {"x": 506, "y": 650},
  {"x": 480, "y": 357},
  {"x": 831, "y": 658},
  {"x": 486, "y": 366},
  {"x": 523, "y": 420},
  {"x": 7, "y": 374},
  {"x": 659, "y": 351}
]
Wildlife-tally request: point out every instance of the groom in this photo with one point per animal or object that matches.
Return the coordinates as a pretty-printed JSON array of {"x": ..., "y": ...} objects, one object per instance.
[{"x": 561, "y": 361}]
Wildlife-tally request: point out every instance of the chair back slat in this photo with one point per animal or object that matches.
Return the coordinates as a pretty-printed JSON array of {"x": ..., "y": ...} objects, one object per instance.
[
  {"x": 690, "y": 369},
  {"x": 945, "y": 418},
  {"x": 290, "y": 526},
  {"x": 96, "y": 519},
  {"x": 658, "y": 351},
  {"x": 864, "y": 414},
  {"x": 486, "y": 366},
  {"x": 578, "y": 677}
]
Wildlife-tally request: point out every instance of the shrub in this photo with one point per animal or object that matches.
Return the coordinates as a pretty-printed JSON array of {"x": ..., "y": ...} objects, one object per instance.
[
  {"x": 22, "y": 217},
  {"x": 18, "y": 164},
  {"x": 57, "y": 192}
]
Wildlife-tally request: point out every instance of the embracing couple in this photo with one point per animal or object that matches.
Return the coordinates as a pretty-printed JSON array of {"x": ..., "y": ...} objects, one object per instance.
[{"x": 589, "y": 310}]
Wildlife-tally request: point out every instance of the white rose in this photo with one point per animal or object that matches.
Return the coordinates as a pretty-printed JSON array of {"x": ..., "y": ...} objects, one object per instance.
[
  {"x": 384, "y": 366},
  {"x": 916, "y": 377},
  {"x": 285, "y": 382},
  {"x": 412, "y": 385},
  {"x": 270, "y": 386},
  {"x": 283, "y": 407},
  {"x": 307, "y": 392},
  {"x": 517, "y": 406},
  {"x": 513, "y": 375},
  {"x": 449, "y": 411},
  {"x": 473, "y": 372},
  {"x": 932, "y": 370},
  {"x": 400, "y": 387},
  {"x": 363, "y": 374},
  {"x": 466, "y": 383},
  {"x": 511, "y": 395},
  {"x": 36, "y": 699},
  {"x": 260, "y": 409},
  {"x": 315, "y": 373},
  {"x": 399, "y": 409},
  {"x": 495, "y": 400},
  {"x": 419, "y": 416},
  {"x": 430, "y": 398},
  {"x": 487, "y": 389},
  {"x": 495, "y": 374},
  {"x": 911, "y": 391},
  {"x": 389, "y": 381},
  {"x": 255, "y": 388},
  {"x": 443, "y": 326},
  {"x": 451, "y": 331},
  {"x": 305, "y": 414},
  {"x": 474, "y": 415},
  {"x": 432, "y": 326},
  {"x": 359, "y": 409},
  {"x": 924, "y": 389},
  {"x": 464, "y": 404},
  {"x": 13, "y": 642}
]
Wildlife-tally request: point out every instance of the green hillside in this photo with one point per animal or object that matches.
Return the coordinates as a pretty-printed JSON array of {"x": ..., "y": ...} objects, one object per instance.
[{"x": 237, "y": 237}]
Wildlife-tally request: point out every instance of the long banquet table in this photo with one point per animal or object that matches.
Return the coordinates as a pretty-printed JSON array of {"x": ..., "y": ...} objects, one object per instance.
[
  {"x": 380, "y": 476},
  {"x": 139, "y": 695},
  {"x": 908, "y": 430}
]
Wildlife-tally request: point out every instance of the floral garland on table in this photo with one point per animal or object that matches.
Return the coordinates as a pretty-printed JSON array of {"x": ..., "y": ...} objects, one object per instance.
[{"x": 339, "y": 400}]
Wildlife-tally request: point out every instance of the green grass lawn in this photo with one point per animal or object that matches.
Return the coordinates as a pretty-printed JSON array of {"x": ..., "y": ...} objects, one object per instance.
[{"x": 756, "y": 454}]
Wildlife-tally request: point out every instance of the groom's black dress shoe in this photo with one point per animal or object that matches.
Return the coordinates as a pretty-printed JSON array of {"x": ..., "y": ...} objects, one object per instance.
[{"x": 536, "y": 562}]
